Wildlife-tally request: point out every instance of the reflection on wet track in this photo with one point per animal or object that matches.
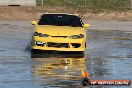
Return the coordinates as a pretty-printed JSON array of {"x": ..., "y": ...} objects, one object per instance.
[
  {"x": 58, "y": 70},
  {"x": 108, "y": 56}
]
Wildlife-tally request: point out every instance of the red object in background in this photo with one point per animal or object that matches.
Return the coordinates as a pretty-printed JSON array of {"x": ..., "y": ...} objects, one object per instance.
[{"x": 85, "y": 74}]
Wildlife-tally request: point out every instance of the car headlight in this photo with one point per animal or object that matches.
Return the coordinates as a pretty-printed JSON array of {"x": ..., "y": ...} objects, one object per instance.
[
  {"x": 76, "y": 36},
  {"x": 40, "y": 34}
]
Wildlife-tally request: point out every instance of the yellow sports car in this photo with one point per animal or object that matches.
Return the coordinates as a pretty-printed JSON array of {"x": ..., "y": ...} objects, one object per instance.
[{"x": 59, "y": 32}]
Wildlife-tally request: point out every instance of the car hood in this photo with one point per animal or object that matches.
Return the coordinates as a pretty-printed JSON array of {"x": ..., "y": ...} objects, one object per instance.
[{"x": 60, "y": 30}]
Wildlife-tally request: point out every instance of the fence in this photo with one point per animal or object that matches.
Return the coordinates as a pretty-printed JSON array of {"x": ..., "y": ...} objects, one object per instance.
[{"x": 97, "y": 4}]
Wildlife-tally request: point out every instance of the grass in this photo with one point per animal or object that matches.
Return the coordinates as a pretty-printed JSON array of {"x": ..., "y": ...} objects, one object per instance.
[
  {"x": 94, "y": 4},
  {"x": 109, "y": 4}
]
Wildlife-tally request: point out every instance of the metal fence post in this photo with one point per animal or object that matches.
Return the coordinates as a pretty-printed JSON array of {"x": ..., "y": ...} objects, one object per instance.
[
  {"x": 85, "y": 3},
  {"x": 131, "y": 4},
  {"x": 42, "y": 2}
]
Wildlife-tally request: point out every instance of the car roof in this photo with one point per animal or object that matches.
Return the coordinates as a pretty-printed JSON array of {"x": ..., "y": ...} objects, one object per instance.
[{"x": 63, "y": 13}]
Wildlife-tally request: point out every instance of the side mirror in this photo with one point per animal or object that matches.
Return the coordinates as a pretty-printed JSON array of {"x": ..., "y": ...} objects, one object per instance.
[
  {"x": 34, "y": 22},
  {"x": 86, "y": 25}
]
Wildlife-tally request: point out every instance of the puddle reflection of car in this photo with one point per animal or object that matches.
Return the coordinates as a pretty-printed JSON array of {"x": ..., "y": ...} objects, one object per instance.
[
  {"x": 58, "y": 67},
  {"x": 59, "y": 32}
]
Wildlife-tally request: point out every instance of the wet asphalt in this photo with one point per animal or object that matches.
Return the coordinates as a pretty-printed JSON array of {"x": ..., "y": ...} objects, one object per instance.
[{"x": 108, "y": 56}]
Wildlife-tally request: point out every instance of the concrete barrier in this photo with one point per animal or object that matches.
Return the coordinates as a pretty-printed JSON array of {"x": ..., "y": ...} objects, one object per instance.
[{"x": 17, "y": 2}]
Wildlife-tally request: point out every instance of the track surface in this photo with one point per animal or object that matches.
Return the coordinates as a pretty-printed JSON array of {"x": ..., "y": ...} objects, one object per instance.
[{"x": 108, "y": 56}]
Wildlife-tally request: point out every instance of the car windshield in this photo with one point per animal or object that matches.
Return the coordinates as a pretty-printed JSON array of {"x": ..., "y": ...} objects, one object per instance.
[{"x": 60, "y": 20}]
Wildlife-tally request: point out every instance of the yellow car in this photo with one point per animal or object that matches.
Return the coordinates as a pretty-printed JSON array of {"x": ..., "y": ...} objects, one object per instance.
[{"x": 59, "y": 32}]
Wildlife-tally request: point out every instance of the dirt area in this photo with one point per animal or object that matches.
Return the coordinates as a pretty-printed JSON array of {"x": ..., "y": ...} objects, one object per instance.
[{"x": 33, "y": 13}]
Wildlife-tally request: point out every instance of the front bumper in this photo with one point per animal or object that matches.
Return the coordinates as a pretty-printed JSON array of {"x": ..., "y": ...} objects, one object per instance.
[{"x": 58, "y": 44}]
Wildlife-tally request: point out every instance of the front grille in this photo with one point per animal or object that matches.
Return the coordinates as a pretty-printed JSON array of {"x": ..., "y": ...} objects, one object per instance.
[
  {"x": 58, "y": 45},
  {"x": 59, "y": 36}
]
